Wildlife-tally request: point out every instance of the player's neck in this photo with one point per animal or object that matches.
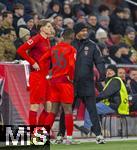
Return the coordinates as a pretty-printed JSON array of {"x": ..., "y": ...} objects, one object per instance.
[
  {"x": 43, "y": 35},
  {"x": 67, "y": 41}
]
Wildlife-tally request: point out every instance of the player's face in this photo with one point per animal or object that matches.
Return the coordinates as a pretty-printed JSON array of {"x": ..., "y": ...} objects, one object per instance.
[{"x": 47, "y": 29}]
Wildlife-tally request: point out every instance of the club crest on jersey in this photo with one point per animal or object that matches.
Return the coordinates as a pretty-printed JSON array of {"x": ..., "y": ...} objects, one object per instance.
[
  {"x": 30, "y": 41},
  {"x": 86, "y": 49}
]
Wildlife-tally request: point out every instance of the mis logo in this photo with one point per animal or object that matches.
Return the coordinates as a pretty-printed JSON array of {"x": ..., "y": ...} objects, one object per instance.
[{"x": 24, "y": 135}]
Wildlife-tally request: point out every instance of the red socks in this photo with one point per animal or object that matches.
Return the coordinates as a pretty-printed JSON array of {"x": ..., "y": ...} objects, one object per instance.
[
  {"x": 69, "y": 124},
  {"x": 50, "y": 119},
  {"x": 32, "y": 117},
  {"x": 42, "y": 117}
]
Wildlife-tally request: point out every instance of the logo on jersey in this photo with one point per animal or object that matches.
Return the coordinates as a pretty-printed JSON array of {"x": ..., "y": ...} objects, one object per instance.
[
  {"x": 86, "y": 49},
  {"x": 30, "y": 41}
]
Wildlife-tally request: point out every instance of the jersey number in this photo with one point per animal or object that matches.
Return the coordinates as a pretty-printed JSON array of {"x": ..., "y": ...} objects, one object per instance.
[{"x": 60, "y": 60}]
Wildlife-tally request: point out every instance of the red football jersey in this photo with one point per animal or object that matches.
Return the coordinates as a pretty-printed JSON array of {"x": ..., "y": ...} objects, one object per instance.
[
  {"x": 34, "y": 49},
  {"x": 63, "y": 60}
]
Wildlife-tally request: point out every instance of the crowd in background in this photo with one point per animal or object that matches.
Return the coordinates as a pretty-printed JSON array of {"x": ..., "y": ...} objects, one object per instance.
[{"x": 112, "y": 28}]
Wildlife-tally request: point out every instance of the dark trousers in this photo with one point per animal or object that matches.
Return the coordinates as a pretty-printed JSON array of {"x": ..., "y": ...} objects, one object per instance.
[{"x": 90, "y": 104}]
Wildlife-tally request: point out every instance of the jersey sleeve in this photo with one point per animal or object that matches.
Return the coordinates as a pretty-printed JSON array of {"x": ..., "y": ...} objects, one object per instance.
[{"x": 23, "y": 49}]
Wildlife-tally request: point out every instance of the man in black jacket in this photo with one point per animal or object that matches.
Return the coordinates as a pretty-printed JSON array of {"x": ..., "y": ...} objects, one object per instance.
[{"x": 88, "y": 54}]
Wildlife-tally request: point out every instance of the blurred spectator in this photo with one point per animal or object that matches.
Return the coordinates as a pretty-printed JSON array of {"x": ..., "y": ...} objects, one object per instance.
[
  {"x": 122, "y": 74},
  {"x": 40, "y": 7},
  {"x": 133, "y": 76},
  {"x": 80, "y": 16},
  {"x": 101, "y": 35},
  {"x": 92, "y": 23},
  {"x": 24, "y": 35},
  {"x": 29, "y": 22},
  {"x": 104, "y": 10},
  {"x": 67, "y": 11},
  {"x": 133, "y": 57},
  {"x": 2, "y": 7},
  {"x": 68, "y": 23},
  {"x": 129, "y": 38},
  {"x": 120, "y": 54},
  {"x": 117, "y": 21},
  {"x": 36, "y": 19},
  {"x": 105, "y": 53},
  {"x": 54, "y": 7},
  {"x": 18, "y": 16},
  {"x": 1, "y": 20},
  {"x": 132, "y": 82},
  {"x": 58, "y": 26},
  {"x": 27, "y": 5},
  {"x": 7, "y": 48},
  {"x": 7, "y": 20},
  {"x": 10, "y": 4},
  {"x": 127, "y": 18},
  {"x": 82, "y": 6},
  {"x": 104, "y": 22}
]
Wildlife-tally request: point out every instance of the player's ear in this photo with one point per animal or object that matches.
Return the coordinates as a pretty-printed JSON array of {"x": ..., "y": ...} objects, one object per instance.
[{"x": 41, "y": 29}]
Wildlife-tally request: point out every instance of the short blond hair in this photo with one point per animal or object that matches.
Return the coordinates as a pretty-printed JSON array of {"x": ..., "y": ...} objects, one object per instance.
[{"x": 42, "y": 23}]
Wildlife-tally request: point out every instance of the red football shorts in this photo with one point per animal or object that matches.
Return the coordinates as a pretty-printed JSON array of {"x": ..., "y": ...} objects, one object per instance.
[
  {"x": 38, "y": 88},
  {"x": 61, "y": 93}
]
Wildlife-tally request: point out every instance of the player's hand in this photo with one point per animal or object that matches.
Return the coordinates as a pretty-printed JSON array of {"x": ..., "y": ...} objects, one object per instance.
[
  {"x": 36, "y": 66},
  {"x": 69, "y": 79},
  {"x": 103, "y": 83},
  {"x": 48, "y": 77}
]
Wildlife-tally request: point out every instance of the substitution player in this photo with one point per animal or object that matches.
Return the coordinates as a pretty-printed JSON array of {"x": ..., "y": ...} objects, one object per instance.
[
  {"x": 32, "y": 51},
  {"x": 61, "y": 81}
]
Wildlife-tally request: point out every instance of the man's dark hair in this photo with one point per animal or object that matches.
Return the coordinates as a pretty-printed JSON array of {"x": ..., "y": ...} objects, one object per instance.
[
  {"x": 103, "y": 8},
  {"x": 92, "y": 14},
  {"x": 132, "y": 69},
  {"x": 6, "y": 13},
  {"x": 67, "y": 34},
  {"x": 119, "y": 10},
  {"x": 18, "y": 6}
]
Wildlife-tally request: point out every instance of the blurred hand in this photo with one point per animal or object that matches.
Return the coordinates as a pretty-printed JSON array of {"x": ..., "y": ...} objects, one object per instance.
[
  {"x": 103, "y": 83},
  {"x": 36, "y": 66},
  {"x": 69, "y": 79},
  {"x": 48, "y": 77}
]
